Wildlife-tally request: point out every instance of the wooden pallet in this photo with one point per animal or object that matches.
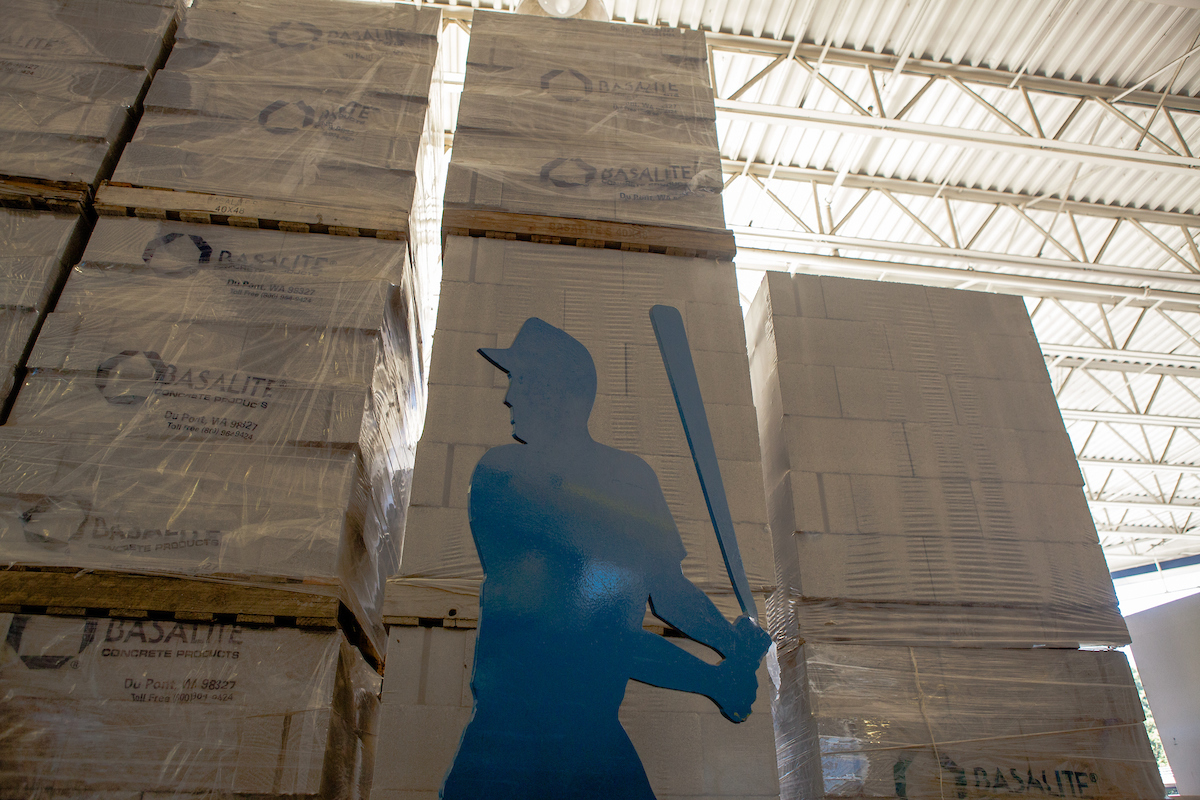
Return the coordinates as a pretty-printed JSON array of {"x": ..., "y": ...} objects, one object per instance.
[
  {"x": 589, "y": 233},
  {"x": 69, "y": 592},
  {"x": 68, "y": 197},
  {"x": 125, "y": 200}
]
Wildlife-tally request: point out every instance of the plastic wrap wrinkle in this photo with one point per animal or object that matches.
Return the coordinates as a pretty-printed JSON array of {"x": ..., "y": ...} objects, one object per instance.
[{"x": 96, "y": 707}]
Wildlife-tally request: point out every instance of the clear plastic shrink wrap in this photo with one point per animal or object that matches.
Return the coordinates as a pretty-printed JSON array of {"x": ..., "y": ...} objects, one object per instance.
[
  {"x": 552, "y": 122},
  {"x": 921, "y": 486},
  {"x": 113, "y": 709},
  {"x": 601, "y": 297},
  {"x": 859, "y": 721},
  {"x": 326, "y": 104},
  {"x": 71, "y": 73},
  {"x": 34, "y": 249},
  {"x": 208, "y": 400}
]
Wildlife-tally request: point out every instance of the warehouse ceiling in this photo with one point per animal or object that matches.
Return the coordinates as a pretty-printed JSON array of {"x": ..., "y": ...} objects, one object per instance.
[{"x": 1034, "y": 147}]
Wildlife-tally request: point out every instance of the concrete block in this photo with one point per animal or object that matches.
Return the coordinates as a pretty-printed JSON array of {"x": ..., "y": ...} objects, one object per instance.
[
  {"x": 998, "y": 314},
  {"x": 865, "y": 301},
  {"x": 806, "y": 503},
  {"x": 438, "y": 544},
  {"x": 715, "y": 326},
  {"x": 429, "y": 473},
  {"x": 473, "y": 260},
  {"x": 893, "y": 395},
  {"x": 416, "y": 746},
  {"x": 996, "y": 454},
  {"x": 1045, "y": 511},
  {"x": 466, "y": 306},
  {"x": 456, "y": 361},
  {"x": 695, "y": 279},
  {"x": 1021, "y": 405},
  {"x": 735, "y": 762},
  {"x": 811, "y": 391},
  {"x": 705, "y": 566},
  {"x": 848, "y": 446},
  {"x": 804, "y": 340},
  {"x": 676, "y": 741},
  {"x": 941, "y": 569},
  {"x": 963, "y": 351},
  {"x": 429, "y": 666},
  {"x": 468, "y": 415},
  {"x": 734, "y": 431}
]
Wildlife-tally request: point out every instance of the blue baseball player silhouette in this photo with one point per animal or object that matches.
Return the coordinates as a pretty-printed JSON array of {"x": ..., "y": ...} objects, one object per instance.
[{"x": 575, "y": 538}]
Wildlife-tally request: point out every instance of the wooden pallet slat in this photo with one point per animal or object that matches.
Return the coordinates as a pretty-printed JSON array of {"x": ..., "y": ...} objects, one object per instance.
[
  {"x": 68, "y": 197},
  {"x": 127, "y": 595},
  {"x": 125, "y": 200},
  {"x": 691, "y": 243}
]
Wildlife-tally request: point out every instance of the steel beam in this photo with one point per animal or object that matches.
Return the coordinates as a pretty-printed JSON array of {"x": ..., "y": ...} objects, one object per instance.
[
  {"x": 1014, "y": 284},
  {"x": 1175, "y": 469},
  {"x": 937, "y": 69},
  {"x": 956, "y": 137},
  {"x": 1137, "y": 357},
  {"x": 1146, "y": 505},
  {"x": 1130, "y": 419},
  {"x": 1078, "y": 269},
  {"x": 961, "y": 194}
]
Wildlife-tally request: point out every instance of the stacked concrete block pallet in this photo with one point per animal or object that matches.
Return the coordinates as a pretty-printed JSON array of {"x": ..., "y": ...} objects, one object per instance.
[
  {"x": 72, "y": 79},
  {"x": 587, "y": 133},
  {"x": 939, "y": 566},
  {"x": 212, "y": 448},
  {"x": 309, "y": 116},
  {"x": 217, "y": 429},
  {"x": 608, "y": 99}
]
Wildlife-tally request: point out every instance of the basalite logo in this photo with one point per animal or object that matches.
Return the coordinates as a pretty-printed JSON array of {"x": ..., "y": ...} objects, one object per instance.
[
  {"x": 146, "y": 368},
  {"x": 566, "y": 85},
  {"x": 178, "y": 260},
  {"x": 566, "y": 173},
  {"x": 17, "y": 632}
]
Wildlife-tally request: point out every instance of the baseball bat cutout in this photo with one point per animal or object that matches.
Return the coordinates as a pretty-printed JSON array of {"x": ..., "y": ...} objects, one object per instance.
[{"x": 681, "y": 372}]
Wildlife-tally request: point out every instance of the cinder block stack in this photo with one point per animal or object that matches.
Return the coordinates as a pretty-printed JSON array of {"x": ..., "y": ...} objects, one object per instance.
[
  {"x": 257, "y": 393},
  {"x": 36, "y": 250},
  {"x": 115, "y": 709},
  {"x": 630, "y": 110},
  {"x": 211, "y": 453},
  {"x": 587, "y": 121},
  {"x": 72, "y": 78},
  {"x": 310, "y": 115},
  {"x": 932, "y": 542}
]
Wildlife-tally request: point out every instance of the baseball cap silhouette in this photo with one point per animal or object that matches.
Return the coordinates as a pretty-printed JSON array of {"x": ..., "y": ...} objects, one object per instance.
[{"x": 548, "y": 353}]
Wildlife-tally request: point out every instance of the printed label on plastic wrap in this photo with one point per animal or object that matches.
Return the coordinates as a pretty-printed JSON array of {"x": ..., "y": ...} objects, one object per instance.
[
  {"x": 178, "y": 250},
  {"x": 294, "y": 540},
  {"x": 197, "y": 404},
  {"x": 401, "y": 72},
  {"x": 233, "y": 358},
  {"x": 95, "y": 705},
  {"x": 605, "y": 181},
  {"x": 358, "y": 32},
  {"x": 194, "y": 508},
  {"x": 338, "y": 111}
]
